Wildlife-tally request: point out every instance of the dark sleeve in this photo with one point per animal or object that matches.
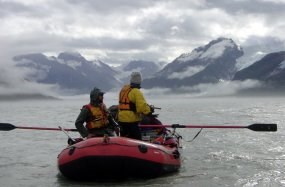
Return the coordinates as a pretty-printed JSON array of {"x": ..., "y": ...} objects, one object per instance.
[{"x": 81, "y": 119}]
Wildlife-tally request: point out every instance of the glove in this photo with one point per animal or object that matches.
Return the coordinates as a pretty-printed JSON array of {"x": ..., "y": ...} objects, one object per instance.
[
  {"x": 117, "y": 131},
  {"x": 74, "y": 141},
  {"x": 151, "y": 109}
]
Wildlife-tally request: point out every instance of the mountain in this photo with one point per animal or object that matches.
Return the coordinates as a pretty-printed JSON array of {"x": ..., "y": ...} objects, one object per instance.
[
  {"x": 270, "y": 69},
  {"x": 147, "y": 69},
  {"x": 212, "y": 63},
  {"x": 257, "y": 47},
  {"x": 69, "y": 70},
  {"x": 73, "y": 73},
  {"x": 206, "y": 64}
]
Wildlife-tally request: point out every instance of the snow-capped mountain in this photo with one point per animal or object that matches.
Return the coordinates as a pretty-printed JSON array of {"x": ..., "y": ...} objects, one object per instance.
[
  {"x": 70, "y": 71},
  {"x": 207, "y": 64},
  {"x": 270, "y": 69},
  {"x": 212, "y": 63},
  {"x": 256, "y": 48}
]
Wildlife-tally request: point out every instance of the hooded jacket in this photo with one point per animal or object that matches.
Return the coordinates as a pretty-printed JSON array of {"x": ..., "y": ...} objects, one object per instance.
[{"x": 85, "y": 115}]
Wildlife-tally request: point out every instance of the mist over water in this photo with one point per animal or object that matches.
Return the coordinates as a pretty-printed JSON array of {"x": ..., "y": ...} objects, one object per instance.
[
  {"x": 14, "y": 85},
  {"x": 217, "y": 157}
]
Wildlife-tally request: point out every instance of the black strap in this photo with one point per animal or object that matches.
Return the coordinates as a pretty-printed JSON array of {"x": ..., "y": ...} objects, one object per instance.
[{"x": 196, "y": 135}]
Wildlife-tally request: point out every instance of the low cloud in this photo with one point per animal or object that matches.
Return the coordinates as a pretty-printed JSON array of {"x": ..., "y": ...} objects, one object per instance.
[
  {"x": 223, "y": 88},
  {"x": 188, "y": 72},
  {"x": 13, "y": 81}
]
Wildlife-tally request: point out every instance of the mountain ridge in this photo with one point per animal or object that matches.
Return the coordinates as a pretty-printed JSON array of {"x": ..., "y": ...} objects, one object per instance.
[{"x": 212, "y": 63}]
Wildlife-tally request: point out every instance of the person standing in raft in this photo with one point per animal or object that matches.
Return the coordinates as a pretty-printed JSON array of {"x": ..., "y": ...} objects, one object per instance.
[
  {"x": 132, "y": 106},
  {"x": 95, "y": 115}
]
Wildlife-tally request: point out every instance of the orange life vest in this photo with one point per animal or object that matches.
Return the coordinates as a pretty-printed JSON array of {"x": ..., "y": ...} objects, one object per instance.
[
  {"x": 124, "y": 101},
  {"x": 98, "y": 117}
]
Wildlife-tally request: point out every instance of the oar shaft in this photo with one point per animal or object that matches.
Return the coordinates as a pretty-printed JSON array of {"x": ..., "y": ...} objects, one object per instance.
[
  {"x": 270, "y": 127},
  {"x": 44, "y": 128},
  {"x": 8, "y": 127},
  {"x": 194, "y": 126},
  {"x": 38, "y": 128}
]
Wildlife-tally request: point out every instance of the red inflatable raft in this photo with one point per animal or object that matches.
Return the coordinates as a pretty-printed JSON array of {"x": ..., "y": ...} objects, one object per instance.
[{"x": 118, "y": 157}]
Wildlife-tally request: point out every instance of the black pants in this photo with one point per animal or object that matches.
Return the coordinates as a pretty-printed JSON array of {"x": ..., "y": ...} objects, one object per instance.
[{"x": 130, "y": 130}]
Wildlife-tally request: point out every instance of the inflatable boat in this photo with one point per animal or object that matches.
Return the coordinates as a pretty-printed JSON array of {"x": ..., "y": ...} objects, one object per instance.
[{"x": 119, "y": 157}]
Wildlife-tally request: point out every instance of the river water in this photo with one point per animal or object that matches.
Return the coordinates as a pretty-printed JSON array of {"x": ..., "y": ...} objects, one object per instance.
[{"x": 217, "y": 157}]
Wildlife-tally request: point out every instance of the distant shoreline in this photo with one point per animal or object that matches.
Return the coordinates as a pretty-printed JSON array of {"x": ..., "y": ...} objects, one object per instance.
[
  {"x": 19, "y": 97},
  {"x": 252, "y": 92}
]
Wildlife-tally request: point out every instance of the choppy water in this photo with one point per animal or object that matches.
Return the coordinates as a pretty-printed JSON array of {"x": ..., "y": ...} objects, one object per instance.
[{"x": 217, "y": 157}]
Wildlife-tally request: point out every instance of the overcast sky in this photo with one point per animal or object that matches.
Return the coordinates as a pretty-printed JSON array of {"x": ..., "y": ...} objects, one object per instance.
[{"x": 117, "y": 31}]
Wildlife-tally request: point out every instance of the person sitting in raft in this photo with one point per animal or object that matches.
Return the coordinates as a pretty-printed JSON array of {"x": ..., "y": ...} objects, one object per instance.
[
  {"x": 151, "y": 132},
  {"x": 95, "y": 115}
]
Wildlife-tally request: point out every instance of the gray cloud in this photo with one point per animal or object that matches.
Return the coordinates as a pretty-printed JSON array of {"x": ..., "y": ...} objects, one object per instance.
[
  {"x": 109, "y": 43},
  {"x": 10, "y": 9},
  {"x": 250, "y": 7},
  {"x": 117, "y": 31},
  {"x": 112, "y": 6}
]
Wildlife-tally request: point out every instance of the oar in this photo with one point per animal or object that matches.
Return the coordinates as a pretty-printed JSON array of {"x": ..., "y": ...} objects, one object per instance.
[
  {"x": 254, "y": 127},
  {"x": 8, "y": 127}
]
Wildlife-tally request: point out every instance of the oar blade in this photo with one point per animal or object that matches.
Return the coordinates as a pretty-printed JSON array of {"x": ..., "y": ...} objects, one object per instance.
[
  {"x": 263, "y": 127},
  {"x": 6, "y": 127}
]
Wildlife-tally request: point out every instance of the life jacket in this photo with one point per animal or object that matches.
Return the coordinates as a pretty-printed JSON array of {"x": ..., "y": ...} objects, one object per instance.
[
  {"x": 98, "y": 117},
  {"x": 124, "y": 101}
]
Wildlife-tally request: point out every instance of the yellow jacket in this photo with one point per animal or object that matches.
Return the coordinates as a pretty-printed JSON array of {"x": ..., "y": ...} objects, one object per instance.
[{"x": 136, "y": 97}]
